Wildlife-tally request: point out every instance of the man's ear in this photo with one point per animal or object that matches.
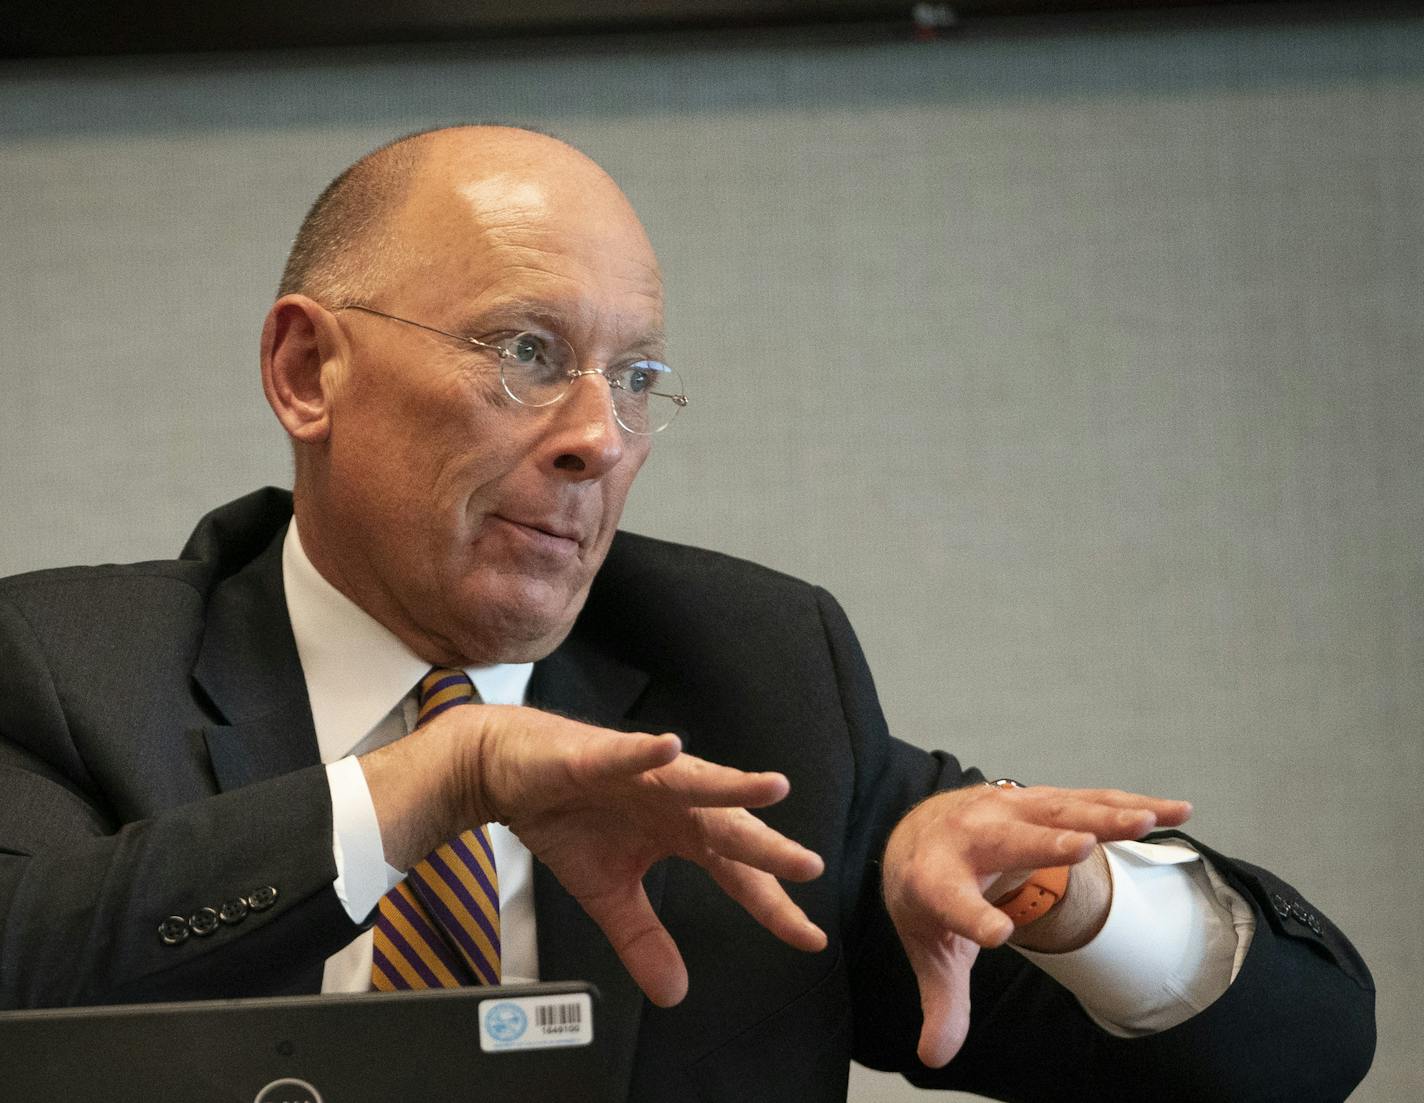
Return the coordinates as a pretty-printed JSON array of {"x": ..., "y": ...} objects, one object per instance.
[{"x": 303, "y": 353}]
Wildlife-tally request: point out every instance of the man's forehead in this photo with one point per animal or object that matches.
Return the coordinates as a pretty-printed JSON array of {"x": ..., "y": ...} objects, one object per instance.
[
  {"x": 544, "y": 237},
  {"x": 498, "y": 175},
  {"x": 583, "y": 210},
  {"x": 504, "y": 199}
]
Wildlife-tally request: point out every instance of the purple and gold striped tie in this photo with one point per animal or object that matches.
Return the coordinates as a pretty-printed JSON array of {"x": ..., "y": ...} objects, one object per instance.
[{"x": 439, "y": 928}]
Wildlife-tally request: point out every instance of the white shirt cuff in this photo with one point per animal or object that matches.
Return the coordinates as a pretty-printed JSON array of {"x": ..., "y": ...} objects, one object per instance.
[
  {"x": 362, "y": 876},
  {"x": 1173, "y": 942}
]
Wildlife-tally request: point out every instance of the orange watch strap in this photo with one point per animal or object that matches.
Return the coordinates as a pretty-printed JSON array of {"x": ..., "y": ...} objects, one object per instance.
[{"x": 1036, "y": 896}]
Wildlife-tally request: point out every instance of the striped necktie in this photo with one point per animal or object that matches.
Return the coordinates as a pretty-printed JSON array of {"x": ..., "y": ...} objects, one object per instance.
[{"x": 439, "y": 928}]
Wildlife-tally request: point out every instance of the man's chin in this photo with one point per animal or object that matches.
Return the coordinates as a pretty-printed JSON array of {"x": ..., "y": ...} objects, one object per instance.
[
  {"x": 529, "y": 650},
  {"x": 522, "y": 633}
]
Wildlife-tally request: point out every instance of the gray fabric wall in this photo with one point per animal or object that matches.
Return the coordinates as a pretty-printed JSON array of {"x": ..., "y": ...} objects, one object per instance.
[{"x": 1084, "y": 369}]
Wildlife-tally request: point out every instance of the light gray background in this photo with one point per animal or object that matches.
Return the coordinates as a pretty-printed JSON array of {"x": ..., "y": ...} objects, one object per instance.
[{"x": 1083, "y": 369}]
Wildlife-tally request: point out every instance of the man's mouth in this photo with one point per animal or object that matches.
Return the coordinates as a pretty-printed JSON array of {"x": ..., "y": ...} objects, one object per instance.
[{"x": 553, "y": 535}]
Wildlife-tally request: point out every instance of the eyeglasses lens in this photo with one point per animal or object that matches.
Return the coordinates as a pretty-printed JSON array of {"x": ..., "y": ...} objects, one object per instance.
[{"x": 538, "y": 371}]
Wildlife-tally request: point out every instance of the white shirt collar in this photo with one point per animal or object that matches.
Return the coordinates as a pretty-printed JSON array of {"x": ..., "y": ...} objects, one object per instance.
[{"x": 356, "y": 669}]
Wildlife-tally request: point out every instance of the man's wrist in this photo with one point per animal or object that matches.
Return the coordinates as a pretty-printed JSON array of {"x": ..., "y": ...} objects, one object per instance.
[
  {"x": 420, "y": 791},
  {"x": 1034, "y": 896},
  {"x": 472, "y": 755},
  {"x": 1078, "y": 915}
]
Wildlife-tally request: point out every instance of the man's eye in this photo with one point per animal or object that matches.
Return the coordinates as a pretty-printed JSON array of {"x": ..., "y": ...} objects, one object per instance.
[
  {"x": 526, "y": 348},
  {"x": 642, "y": 377}
]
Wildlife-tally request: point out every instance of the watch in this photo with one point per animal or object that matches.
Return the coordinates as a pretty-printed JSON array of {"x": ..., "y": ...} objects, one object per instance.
[
  {"x": 1036, "y": 896},
  {"x": 1044, "y": 888}
]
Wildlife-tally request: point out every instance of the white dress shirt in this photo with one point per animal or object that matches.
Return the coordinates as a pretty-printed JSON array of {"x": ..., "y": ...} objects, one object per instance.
[
  {"x": 1174, "y": 938},
  {"x": 360, "y": 682}
]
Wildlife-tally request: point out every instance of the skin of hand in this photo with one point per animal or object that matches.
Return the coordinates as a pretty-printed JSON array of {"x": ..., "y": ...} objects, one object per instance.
[
  {"x": 598, "y": 807},
  {"x": 947, "y": 859}
]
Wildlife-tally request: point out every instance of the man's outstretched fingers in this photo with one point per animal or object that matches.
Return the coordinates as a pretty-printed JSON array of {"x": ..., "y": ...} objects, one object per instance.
[
  {"x": 624, "y": 754},
  {"x": 967, "y": 915},
  {"x": 1027, "y": 846},
  {"x": 942, "y": 972},
  {"x": 942, "y": 899},
  {"x": 694, "y": 781},
  {"x": 736, "y": 834},
  {"x": 1069, "y": 811},
  {"x": 767, "y": 902},
  {"x": 641, "y": 941},
  {"x": 1167, "y": 812}
]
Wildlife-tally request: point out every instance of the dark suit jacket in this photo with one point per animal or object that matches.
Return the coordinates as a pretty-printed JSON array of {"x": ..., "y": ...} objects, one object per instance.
[{"x": 157, "y": 756}]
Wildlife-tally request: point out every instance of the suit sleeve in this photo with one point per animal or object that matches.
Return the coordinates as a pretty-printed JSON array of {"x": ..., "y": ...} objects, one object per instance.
[
  {"x": 91, "y": 872},
  {"x": 1297, "y": 1024}
]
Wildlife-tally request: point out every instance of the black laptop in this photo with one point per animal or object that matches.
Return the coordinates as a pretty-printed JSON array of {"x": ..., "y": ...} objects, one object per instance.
[{"x": 451, "y": 1046}]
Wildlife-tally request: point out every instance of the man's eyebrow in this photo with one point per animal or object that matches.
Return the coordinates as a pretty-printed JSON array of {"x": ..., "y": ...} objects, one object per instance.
[
  {"x": 516, "y": 310},
  {"x": 518, "y": 313}
]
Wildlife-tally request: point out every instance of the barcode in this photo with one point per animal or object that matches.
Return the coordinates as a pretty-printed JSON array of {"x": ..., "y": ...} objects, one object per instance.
[{"x": 552, "y": 1015}]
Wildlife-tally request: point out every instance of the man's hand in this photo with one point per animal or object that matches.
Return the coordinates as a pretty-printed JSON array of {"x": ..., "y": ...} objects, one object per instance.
[
  {"x": 598, "y": 807},
  {"x": 948, "y": 850}
]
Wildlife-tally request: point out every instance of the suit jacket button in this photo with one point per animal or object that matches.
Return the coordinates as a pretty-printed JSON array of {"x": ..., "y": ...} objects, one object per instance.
[
  {"x": 1313, "y": 922},
  {"x": 173, "y": 930},
  {"x": 259, "y": 900},
  {"x": 203, "y": 922},
  {"x": 233, "y": 911},
  {"x": 1298, "y": 910},
  {"x": 1279, "y": 903}
]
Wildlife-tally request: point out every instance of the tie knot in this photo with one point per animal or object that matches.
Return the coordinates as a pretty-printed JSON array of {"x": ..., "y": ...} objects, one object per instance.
[{"x": 443, "y": 689}]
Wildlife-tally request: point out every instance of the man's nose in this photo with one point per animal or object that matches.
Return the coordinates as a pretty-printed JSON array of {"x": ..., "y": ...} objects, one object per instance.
[{"x": 587, "y": 440}]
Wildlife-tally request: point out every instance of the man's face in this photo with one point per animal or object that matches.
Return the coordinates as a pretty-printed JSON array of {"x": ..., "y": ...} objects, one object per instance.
[{"x": 470, "y": 525}]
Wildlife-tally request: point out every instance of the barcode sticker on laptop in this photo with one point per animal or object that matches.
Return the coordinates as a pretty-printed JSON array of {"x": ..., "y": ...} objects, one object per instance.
[{"x": 536, "y": 1022}]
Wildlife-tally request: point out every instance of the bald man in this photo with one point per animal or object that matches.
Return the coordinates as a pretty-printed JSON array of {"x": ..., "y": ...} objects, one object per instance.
[{"x": 212, "y": 769}]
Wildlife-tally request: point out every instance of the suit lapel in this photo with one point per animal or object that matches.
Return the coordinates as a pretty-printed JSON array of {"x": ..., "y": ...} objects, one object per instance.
[
  {"x": 249, "y": 669},
  {"x": 581, "y": 681}
]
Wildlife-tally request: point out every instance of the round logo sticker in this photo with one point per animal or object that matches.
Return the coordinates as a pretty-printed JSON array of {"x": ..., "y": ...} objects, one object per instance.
[
  {"x": 506, "y": 1022},
  {"x": 288, "y": 1090}
]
